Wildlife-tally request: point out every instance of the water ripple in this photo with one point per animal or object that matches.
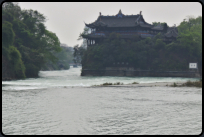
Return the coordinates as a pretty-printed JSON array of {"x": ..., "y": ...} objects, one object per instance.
[{"x": 59, "y": 110}]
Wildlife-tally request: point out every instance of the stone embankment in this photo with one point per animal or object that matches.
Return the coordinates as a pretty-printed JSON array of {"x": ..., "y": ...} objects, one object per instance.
[{"x": 139, "y": 73}]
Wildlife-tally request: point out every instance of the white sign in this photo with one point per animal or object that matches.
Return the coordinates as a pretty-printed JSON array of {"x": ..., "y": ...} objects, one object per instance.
[{"x": 193, "y": 65}]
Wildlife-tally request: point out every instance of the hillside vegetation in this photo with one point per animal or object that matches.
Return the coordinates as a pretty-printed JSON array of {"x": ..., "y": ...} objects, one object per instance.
[{"x": 26, "y": 43}]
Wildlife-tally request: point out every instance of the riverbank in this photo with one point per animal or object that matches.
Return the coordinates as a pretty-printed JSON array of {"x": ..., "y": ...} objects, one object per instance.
[{"x": 156, "y": 84}]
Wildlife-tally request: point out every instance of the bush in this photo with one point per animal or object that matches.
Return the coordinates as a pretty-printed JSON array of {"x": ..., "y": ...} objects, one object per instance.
[
  {"x": 118, "y": 83},
  {"x": 193, "y": 84},
  {"x": 105, "y": 84},
  {"x": 174, "y": 85},
  {"x": 135, "y": 83}
]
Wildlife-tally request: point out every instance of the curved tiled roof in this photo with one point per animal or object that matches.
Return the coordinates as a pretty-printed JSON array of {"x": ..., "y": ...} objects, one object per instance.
[
  {"x": 120, "y": 20},
  {"x": 171, "y": 32}
]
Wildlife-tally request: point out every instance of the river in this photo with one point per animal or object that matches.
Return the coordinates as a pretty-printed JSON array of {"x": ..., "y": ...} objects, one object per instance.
[{"x": 64, "y": 103}]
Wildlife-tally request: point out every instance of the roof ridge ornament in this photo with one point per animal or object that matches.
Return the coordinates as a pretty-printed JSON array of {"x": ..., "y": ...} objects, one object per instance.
[
  {"x": 120, "y": 14},
  {"x": 100, "y": 16}
]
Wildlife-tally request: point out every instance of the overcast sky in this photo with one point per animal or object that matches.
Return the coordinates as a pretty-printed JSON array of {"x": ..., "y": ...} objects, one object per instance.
[{"x": 66, "y": 19}]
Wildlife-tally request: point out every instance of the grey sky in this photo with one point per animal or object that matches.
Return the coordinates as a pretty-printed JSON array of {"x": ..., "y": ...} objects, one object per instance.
[{"x": 66, "y": 19}]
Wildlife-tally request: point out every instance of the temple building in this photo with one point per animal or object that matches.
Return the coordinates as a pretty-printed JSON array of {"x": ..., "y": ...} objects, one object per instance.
[{"x": 127, "y": 26}]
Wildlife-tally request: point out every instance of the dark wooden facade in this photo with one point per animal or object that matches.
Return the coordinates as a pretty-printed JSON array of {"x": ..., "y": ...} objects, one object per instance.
[{"x": 127, "y": 26}]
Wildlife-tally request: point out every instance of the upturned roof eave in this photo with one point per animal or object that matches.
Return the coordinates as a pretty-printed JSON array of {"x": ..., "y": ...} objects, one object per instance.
[{"x": 90, "y": 25}]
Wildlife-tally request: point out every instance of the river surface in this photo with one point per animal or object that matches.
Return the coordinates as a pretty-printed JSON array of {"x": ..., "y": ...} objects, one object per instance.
[{"x": 64, "y": 103}]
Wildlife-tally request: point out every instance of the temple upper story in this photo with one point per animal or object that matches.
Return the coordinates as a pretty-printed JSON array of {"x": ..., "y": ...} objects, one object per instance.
[
  {"x": 120, "y": 20},
  {"x": 127, "y": 26}
]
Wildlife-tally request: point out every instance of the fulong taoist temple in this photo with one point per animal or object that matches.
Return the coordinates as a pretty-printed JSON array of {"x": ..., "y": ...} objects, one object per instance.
[{"x": 127, "y": 26}]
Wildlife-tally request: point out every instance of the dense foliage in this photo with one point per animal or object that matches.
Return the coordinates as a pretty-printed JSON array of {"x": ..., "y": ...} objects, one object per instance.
[
  {"x": 78, "y": 53},
  {"x": 64, "y": 58},
  {"x": 80, "y": 50},
  {"x": 149, "y": 54},
  {"x": 26, "y": 43}
]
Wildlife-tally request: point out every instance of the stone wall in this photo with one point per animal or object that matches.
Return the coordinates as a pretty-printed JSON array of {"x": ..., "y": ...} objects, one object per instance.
[{"x": 139, "y": 73}]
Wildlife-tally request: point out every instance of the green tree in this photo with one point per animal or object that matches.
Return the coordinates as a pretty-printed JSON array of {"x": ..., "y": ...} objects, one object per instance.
[{"x": 25, "y": 31}]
